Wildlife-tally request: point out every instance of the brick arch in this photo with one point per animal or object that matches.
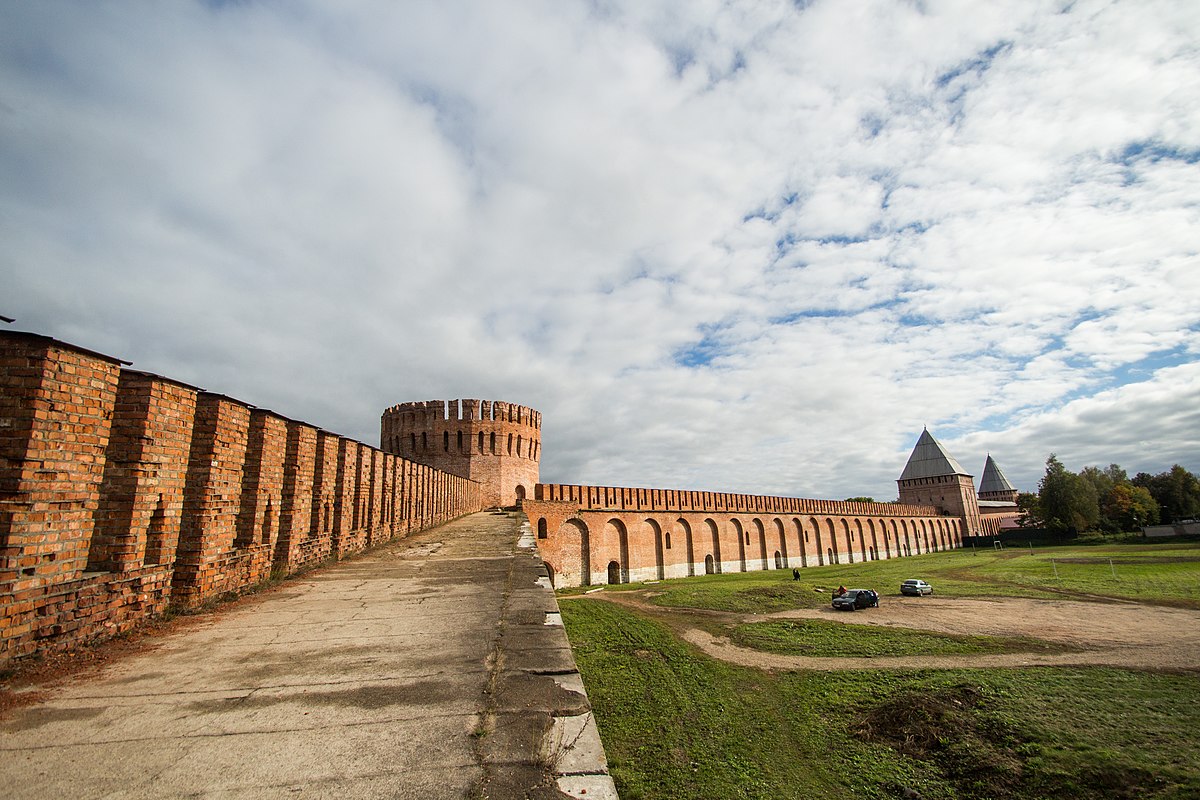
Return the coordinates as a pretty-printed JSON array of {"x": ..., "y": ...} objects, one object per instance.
[
  {"x": 831, "y": 546},
  {"x": 741, "y": 533},
  {"x": 783, "y": 548},
  {"x": 689, "y": 550},
  {"x": 656, "y": 533},
  {"x": 714, "y": 543},
  {"x": 801, "y": 545},
  {"x": 760, "y": 533},
  {"x": 820, "y": 545},
  {"x": 575, "y": 536},
  {"x": 613, "y": 545}
]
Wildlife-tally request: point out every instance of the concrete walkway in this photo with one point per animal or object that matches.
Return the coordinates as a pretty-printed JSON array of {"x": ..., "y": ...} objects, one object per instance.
[{"x": 434, "y": 667}]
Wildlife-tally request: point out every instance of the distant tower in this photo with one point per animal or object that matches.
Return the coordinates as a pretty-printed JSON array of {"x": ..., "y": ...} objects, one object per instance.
[
  {"x": 994, "y": 485},
  {"x": 933, "y": 478},
  {"x": 496, "y": 444}
]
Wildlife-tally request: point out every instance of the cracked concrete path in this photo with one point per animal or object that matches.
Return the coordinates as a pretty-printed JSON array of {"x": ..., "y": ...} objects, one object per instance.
[{"x": 431, "y": 667}]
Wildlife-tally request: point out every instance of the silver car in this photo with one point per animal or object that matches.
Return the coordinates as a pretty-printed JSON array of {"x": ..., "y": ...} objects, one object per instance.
[{"x": 915, "y": 588}]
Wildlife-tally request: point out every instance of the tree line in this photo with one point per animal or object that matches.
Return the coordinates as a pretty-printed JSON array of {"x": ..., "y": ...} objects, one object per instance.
[{"x": 1108, "y": 500}]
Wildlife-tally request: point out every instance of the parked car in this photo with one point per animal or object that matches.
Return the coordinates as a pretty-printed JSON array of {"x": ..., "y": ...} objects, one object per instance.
[
  {"x": 915, "y": 588},
  {"x": 854, "y": 599}
]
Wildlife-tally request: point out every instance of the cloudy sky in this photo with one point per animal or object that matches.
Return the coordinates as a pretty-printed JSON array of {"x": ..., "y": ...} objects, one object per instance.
[{"x": 751, "y": 246}]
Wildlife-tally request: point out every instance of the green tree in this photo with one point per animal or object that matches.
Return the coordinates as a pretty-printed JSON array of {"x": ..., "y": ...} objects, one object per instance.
[
  {"x": 1031, "y": 510},
  {"x": 1176, "y": 491},
  {"x": 860, "y": 500},
  {"x": 1127, "y": 507},
  {"x": 1069, "y": 503},
  {"x": 1105, "y": 482},
  {"x": 1145, "y": 508}
]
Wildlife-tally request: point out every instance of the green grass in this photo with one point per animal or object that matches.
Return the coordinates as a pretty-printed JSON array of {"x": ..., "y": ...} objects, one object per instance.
[
  {"x": 677, "y": 724},
  {"x": 821, "y": 639},
  {"x": 1164, "y": 574}
]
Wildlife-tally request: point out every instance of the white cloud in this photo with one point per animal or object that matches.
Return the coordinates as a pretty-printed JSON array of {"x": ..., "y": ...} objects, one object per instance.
[{"x": 751, "y": 246}]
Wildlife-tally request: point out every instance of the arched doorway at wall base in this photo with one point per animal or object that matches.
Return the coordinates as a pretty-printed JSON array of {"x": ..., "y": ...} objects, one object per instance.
[
  {"x": 549, "y": 572},
  {"x": 778, "y": 560},
  {"x": 614, "y": 572},
  {"x": 829, "y": 555},
  {"x": 709, "y": 569}
]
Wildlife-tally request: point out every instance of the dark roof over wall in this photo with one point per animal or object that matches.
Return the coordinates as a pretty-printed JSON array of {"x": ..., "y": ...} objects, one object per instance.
[
  {"x": 993, "y": 479},
  {"x": 930, "y": 460}
]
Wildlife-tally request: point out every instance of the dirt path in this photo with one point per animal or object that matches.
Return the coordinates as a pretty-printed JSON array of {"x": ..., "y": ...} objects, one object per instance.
[{"x": 1101, "y": 634}]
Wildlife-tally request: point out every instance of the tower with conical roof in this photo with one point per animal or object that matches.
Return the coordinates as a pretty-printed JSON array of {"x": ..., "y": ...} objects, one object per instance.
[
  {"x": 933, "y": 478},
  {"x": 994, "y": 485}
]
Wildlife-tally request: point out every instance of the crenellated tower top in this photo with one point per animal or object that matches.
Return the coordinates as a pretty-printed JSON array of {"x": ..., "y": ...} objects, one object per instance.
[{"x": 495, "y": 443}]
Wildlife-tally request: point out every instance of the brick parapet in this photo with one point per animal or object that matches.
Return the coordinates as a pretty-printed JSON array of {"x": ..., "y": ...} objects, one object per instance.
[
  {"x": 56, "y": 404},
  {"x": 146, "y": 461},
  {"x": 298, "y": 496},
  {"x": 638, "y": 499},
  {"x": 173, "y": 495}
]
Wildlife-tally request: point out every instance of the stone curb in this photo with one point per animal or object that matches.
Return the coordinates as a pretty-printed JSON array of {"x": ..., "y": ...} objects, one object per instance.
[{"x": 541, "y": 718}]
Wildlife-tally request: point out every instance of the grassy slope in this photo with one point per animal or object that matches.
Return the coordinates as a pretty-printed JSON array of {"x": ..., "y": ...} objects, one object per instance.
[{"x": 677, "y": 724}]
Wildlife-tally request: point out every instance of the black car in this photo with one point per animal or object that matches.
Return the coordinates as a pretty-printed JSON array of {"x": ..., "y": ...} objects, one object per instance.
[{"x": 854, "y": 599}]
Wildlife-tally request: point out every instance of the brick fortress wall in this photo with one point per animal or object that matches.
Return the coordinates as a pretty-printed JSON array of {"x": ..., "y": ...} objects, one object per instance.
[
  {"x": 123, "y": 493},
  {"x": 496, "y": 444},
  {"x": 955, "y": 493},
  {"x": 601, "y": 534}
]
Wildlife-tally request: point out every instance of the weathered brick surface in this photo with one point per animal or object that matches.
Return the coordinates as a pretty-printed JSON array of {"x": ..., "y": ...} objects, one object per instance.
[
  {"x": 56, "y": 404},
  {"x": 495, "y": 444},
  {"x": 345, "y": 516},
  {"x": 207, "y": 562},
  {"x": 602, "y": 534},
  {"x": 141, "y": 496},
  {"x": 171, "y": 496},
  {"x": 296, "y": 518}
]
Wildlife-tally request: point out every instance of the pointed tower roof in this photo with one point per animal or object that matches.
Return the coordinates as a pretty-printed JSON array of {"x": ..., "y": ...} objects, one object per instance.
[
  {"x": 930, "y": 460},
  {"x": 993, "y": 479}
]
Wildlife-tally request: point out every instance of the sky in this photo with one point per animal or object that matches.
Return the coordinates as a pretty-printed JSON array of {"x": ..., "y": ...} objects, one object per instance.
[{"x": 734, "y": 246}]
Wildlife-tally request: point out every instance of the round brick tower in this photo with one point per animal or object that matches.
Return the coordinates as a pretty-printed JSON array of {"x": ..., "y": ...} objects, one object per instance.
[{"x": 493, "y": 443}]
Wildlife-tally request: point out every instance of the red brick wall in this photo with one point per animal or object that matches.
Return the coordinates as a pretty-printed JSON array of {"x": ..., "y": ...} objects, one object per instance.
[
  {"x": 665, "y": 533},
  {"x": 141, "y": 496},
  {"x": 210, "y": 559},
  {"x": 496, "y": 444},
  {"x": 170, "y": 495},
  {"x": 954, "y": 494},
  {"x": 296, "y": 518},
  {"x": 57, "y": 406}
]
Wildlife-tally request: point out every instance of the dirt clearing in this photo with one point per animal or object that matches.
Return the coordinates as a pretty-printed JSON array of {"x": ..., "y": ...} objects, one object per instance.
[{"x": 1127, "y": 635}]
